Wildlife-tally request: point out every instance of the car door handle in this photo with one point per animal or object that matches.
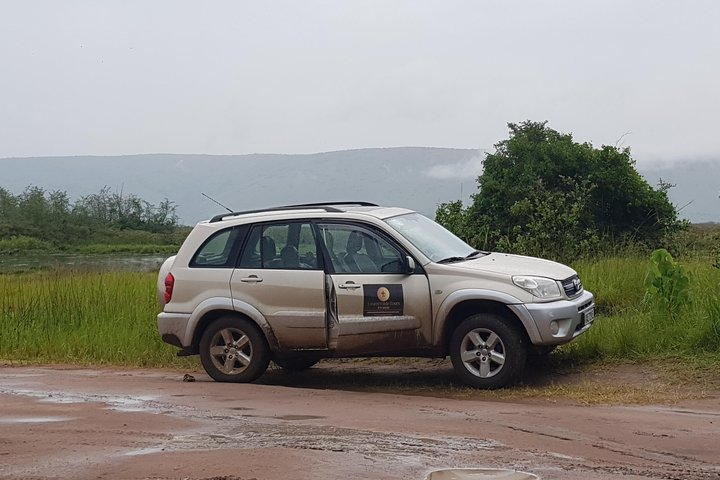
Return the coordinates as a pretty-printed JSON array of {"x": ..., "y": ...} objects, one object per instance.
[
  {"x": 349, "y": 285},
  {"x": 251, "y": 279}
]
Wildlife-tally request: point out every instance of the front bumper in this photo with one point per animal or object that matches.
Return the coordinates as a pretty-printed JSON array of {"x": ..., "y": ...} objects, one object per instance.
[{"x": 559, "y": 322}]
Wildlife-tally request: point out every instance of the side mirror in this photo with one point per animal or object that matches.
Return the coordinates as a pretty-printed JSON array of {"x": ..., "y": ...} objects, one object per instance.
[{"x": 409, "y": 265}]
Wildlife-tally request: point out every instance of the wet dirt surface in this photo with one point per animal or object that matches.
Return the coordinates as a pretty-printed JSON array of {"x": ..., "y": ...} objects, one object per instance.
[{"x": 334, "y": 421}]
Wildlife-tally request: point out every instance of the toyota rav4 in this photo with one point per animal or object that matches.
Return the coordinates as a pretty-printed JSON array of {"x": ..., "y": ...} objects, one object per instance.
[{"x": 299, "y": 283}]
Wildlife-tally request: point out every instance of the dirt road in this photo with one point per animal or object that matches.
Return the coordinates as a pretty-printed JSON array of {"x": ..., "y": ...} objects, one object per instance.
[{"x": 62, "y": 422}]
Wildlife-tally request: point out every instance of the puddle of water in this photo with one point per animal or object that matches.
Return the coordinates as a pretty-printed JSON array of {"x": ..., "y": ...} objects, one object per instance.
[
  {"x": 144, "y": 451},
  {"x": 479, "y": 474},
  {"x": 58, "y": 398},
  {"x": 677, "y": 411},
  {"x": 47, "y": 397},
  {"x": 20, "y": 375},
  {"x": 298, "y": 417},
  {"x": 140, "y": 403},
  {"x": 563, "y": 456},
  {"x": 77, "y": 261},
  {"x": 19, "y": 420},
  {"x": 694, "y": 412},
  {"x": 130, "y": 404}
]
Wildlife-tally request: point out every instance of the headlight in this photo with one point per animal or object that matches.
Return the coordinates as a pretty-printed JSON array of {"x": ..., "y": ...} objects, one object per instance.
[{"x": 541, "y": 287}]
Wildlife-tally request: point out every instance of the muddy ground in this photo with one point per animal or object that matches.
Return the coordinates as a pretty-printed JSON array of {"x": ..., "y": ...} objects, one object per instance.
[{"x": 354, "y": 420}]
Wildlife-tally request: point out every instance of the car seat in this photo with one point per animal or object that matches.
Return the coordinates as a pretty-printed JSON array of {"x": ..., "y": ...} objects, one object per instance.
[
  {"x": 268, "y": 251},
  {"x": 289, "y": 257},
  {"x": 356, "y": 261}
]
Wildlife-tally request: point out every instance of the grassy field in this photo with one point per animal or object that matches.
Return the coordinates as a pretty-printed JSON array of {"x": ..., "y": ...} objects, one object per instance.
[
  {"x": 81, "y": 317},
  {"x": 67, "y": 316},
  {"x": 633, "y": 325}
]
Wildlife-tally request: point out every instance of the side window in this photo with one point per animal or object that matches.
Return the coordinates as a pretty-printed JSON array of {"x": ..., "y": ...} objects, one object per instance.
[
  {"x": 217, "y": 250},
  {"x": 354, "y": 249},
  {"x": 287, "y": 246}
]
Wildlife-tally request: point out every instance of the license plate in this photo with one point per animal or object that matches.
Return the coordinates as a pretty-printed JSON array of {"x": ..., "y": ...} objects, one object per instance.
[{"x": 589, "y": 316}]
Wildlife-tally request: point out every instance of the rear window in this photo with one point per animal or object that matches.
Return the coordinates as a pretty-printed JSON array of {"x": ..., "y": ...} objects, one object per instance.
[{"x": 219, "y": 250}]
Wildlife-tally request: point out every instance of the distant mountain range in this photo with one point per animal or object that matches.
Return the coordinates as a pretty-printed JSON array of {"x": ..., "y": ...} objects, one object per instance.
[{"x": 414, "y": 177}]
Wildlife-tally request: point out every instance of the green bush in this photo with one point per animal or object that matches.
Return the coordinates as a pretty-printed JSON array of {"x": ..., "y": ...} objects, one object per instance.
[
  {"x": 21, "y": 244},
  {"x": 543, "y": 194}
]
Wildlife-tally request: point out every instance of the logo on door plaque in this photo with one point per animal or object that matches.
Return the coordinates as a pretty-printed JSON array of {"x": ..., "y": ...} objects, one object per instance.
[
  {"x": 382, "y": 300},
  {"x": 383, "y": 294}
]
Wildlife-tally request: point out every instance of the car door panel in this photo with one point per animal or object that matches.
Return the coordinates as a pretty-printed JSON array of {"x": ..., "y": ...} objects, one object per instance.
[
  {"x": 372, "y": 318},
  {"x": 292, "y": 302},
  {"x": 377, "y": 306}
]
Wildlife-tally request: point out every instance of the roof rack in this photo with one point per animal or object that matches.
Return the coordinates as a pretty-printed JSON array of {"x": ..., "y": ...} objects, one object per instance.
[{"x": 327, "y": 206}]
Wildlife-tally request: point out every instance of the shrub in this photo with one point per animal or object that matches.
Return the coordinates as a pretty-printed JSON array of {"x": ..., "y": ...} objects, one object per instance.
[
  {"x": 21, "y": 243},
  {"x": 667, "y": 282}
]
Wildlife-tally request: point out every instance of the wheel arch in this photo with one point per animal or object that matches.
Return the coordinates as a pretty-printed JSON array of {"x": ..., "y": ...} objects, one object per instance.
[
  {"x": 204, "y": 322},
  {"x": 233, "y": 307},
  {"x": 466, "y": 308},
  {"x": 462, "y": 303}
]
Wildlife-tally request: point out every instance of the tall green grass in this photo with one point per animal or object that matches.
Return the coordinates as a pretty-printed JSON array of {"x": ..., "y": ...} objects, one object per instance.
[
  {"x": 89, "y": 317},
  {"x": 632, "y": 325},
  {"x": 81, "y": 317}
]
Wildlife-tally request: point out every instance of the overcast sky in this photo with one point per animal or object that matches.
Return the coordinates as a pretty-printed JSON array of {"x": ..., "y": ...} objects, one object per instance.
[{"x": 233, "y": 77}]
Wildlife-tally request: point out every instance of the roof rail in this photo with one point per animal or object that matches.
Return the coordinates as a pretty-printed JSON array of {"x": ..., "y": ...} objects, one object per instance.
[{"x": 327, "y": 206}]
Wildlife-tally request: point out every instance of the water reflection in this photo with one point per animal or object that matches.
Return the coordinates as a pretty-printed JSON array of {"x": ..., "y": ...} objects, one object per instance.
[{"x": 91, "y": 262}]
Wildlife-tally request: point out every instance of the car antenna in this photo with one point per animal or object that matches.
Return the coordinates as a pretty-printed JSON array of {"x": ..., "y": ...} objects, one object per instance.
[{"x": 212, "y": 199}]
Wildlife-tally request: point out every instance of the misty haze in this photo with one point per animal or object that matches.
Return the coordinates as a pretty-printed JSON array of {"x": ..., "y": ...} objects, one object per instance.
[{"x": 417, "y": 178}]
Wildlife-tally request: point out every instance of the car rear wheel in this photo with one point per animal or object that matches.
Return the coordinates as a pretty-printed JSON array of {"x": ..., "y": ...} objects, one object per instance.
[
  {"x": 487, "y": 352},
  {"x": 232, "y": 349}
]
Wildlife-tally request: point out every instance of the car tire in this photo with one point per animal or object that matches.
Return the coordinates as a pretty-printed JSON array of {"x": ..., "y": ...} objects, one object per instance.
[
  {"x": 233, "y": 349},
  {"x": 295, "y": 364},
  {"x": 487, "y": 351}
]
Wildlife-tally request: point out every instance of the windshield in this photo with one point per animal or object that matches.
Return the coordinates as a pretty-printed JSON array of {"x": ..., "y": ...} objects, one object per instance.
[{"x": 431, "y": 239}]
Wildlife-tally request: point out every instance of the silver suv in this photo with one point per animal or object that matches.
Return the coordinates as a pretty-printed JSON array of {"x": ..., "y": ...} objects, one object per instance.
[{"x": 299, "y": 283}]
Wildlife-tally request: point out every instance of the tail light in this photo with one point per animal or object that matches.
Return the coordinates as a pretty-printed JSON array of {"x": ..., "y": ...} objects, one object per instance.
[{"x": 169, "y": 283}]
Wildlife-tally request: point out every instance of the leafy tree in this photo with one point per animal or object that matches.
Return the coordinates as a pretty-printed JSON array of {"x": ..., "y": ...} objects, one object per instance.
[
  {"x": 453, "y": 217},
  {"x": 123, "y": 212},
  {"x": 556, "y": 222},
  {"x": 8, "y": 209},
  {"x": 543, "y": 193}
]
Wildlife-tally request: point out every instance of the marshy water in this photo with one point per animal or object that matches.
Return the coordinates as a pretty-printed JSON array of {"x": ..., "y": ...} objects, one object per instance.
[{"x": 77, "y": 261}]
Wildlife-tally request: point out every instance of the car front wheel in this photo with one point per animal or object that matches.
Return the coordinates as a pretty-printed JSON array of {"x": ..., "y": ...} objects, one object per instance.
[
  {"x": 232, "y": 349},
  {"x": 487, "y": 351}
]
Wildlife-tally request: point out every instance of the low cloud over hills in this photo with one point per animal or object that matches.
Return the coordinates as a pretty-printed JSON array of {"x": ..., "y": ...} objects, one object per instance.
[{"x": 415, "y": 177}]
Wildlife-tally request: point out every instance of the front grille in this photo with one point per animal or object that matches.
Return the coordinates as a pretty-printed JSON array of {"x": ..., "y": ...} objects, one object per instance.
[{"x": 572, "y": 286}]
